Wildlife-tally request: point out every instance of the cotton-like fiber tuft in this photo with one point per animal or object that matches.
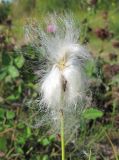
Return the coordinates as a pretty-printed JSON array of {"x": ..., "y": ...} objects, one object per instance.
[{"x": 64, "y": 85}]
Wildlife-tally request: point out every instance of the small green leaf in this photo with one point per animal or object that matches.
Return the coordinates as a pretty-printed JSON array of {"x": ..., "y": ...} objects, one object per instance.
[
  {"x": 45, "y": 142},
  {"x": 19, "y": 150},
  {"x": 28, "y": 130},
  {"x": 2, "y": 75},
  {"x": 10, "y": 114},
  {"x": 13, "y": 71},
  {"x": 5, "y": 59},
  {"x": 1, "y": 128},
  {"x": 2, "y": 113},
  {"x": 92, "y": 113},
  {"x": 13, "y": 97},
  {"x": 3, "y": 144},
  {"x": 45, "y": 157},
  {"x": 38, "y": 157},
  {"x": 21, "y": 125},
  {"x": 19, "y": 61},
  {"x": 52, "y": 138},
  {"x": 19, "y": 89},
  {"x": 21, "y": 140}
]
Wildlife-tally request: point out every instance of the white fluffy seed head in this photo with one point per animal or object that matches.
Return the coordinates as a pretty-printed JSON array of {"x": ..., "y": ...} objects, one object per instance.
[{"x": 64, "y": 85}]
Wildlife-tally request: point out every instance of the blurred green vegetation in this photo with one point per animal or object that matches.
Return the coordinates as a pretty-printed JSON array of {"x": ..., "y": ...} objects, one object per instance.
[{"x": 99, "y": 25}]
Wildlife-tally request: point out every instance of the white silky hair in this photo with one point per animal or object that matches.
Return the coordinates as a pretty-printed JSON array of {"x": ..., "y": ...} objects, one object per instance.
[{"x": 61, "y": 87}]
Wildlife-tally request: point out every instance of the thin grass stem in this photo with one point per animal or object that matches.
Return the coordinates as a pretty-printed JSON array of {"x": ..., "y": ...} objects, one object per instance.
[
  {"x": 90, "y": 155},
  {"x": 113, "y": 148},
  {"x": 62, "y": 136}
]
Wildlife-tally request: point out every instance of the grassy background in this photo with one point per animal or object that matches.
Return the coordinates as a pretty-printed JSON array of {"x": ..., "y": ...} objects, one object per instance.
[{"x": 98, "y": 137}]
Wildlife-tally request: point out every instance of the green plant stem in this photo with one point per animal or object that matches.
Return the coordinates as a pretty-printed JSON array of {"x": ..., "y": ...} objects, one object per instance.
[
  {"x": 90, "y": 155},
  {"x": 62, "y": 136}
]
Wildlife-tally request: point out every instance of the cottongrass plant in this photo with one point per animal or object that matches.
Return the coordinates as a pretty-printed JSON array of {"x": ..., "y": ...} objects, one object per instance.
[{"x": 63, "y": 82}]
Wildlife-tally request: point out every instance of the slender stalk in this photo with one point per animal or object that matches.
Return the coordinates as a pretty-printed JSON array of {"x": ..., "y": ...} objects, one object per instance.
[
  {"x": 62, "y": 136},
  {"x": 113, "y": 148},
  {"x": 90, "y": 155}
]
